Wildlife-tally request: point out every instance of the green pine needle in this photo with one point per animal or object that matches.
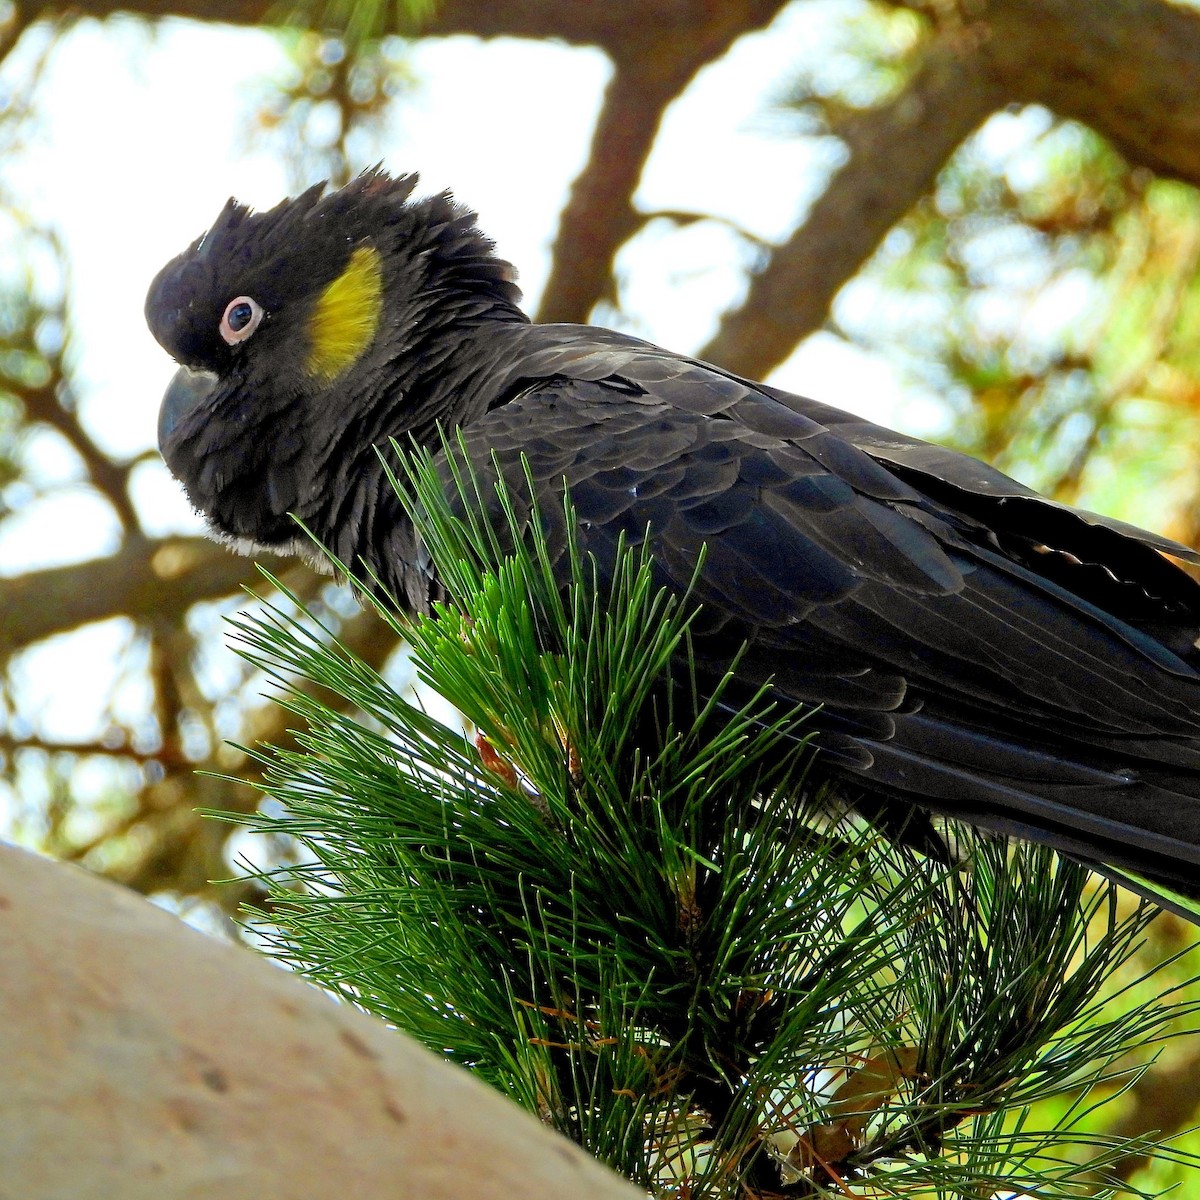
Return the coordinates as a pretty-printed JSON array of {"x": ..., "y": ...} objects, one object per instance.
[{"x": 635, "y": 915}]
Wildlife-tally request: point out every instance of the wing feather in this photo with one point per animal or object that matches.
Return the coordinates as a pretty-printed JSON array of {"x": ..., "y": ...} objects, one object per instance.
[{"x": 1038, "y": 684}]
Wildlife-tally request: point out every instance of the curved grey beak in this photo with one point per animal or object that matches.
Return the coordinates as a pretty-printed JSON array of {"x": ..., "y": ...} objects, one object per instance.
[{"x": 187, "y": 389}]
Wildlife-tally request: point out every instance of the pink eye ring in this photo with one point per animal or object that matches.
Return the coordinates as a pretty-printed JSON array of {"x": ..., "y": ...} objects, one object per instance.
[{"x": 240, "y": 319}]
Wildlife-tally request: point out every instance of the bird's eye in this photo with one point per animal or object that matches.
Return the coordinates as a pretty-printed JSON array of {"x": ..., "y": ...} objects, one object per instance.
[{"x": 240, "y": 319}]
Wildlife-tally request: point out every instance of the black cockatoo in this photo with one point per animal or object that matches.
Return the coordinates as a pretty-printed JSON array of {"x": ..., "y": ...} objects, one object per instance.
[{"x": 972, "y": 646}]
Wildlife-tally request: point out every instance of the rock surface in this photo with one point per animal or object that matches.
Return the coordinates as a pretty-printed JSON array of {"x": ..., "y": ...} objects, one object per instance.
[{"x": 140, "y": 1059}]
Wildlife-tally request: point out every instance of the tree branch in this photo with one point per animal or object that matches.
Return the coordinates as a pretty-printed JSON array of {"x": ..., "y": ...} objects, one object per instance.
[
  {"x": 621, "y": 27},
  {"x": 1127, "y": 68},
  {"x": 895, "y": 153},
  {"x": 13, "y": 745},
  {"x": 19, "y": 20},
  {"x": 599, "y": 216},
  {"x": 143, "y": 579},
  {"x": 45, "y": 404}
]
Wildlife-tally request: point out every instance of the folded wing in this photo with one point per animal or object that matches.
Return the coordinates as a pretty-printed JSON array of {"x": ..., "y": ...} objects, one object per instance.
[{"x": 971, "y": 645}]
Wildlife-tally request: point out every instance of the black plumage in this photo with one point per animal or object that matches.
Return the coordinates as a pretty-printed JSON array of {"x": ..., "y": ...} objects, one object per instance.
[{"x": 975, "y": 647}]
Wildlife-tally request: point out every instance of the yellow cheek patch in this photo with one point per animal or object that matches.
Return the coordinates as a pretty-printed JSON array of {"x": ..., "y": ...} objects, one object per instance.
[{"x": 346, "y": 316}]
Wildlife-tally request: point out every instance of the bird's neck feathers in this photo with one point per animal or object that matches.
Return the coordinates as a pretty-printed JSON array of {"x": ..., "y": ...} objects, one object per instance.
[
  {"x": 454, "y": 264},
  {"x": 387, "y": 334},
  {"x": 410, "y": 339}
]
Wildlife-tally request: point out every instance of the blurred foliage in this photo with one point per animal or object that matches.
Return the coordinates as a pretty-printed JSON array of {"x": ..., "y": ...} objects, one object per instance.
[
  {"x": 32, "y": 333},
  {"x": 1049, "y": 293},
  {"x": 120, "y": 795},
  {"x": 361, "y": 21},
  {"x": 863, "y": 54},
  {"x": 325, "y": 117}
]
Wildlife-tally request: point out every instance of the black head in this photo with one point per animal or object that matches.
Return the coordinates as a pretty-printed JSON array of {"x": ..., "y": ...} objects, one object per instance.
[{"x": 291, "y": 321}]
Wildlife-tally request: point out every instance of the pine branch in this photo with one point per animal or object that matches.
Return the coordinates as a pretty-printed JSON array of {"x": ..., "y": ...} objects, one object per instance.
[{"x": 634, "y": 912}]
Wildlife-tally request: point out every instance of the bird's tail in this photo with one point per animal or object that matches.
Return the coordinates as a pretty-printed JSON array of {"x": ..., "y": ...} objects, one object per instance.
[{"x": 1138, "y": 827}]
